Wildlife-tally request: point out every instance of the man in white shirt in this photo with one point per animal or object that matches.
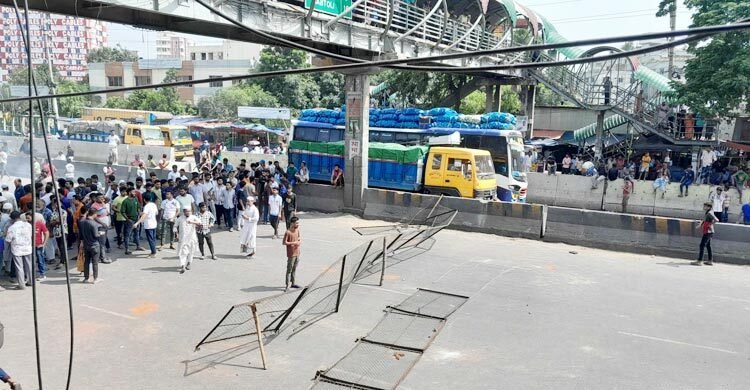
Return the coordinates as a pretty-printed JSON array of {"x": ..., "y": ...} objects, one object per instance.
[
  {"x": 173, "y": 174},
  {"x": 19, "y": 238},
  {"x": 720, "y": 202},
  {"x": 186, "y": 200},
  {"x": 70, "y": 170},
  {"x": 113, "y": 141},
  {"x": 708, "y": 158},
  {"x": 228, "y": 198},
  {"x": 148, "y": 219},
  {"x": 187, "y": 237},
  {"x": 170, "y": 207},
  {"x": 196, "y": 190},
  {"x": 274, "y": 210},
  {"x": 3, "y": 164}
]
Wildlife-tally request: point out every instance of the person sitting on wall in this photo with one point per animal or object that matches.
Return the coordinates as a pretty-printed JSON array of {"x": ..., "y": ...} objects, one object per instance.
[{"x": 337, "y": 177}]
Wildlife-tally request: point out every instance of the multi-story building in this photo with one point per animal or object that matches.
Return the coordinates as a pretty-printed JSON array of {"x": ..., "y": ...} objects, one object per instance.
[
  {"x": 171, "y": 46},
  {"x": 66, "y": 40},
  {"x": 128, "y": 74},
  {"x": 228, "y": 50},
  {"x": 659, "y": 60}
]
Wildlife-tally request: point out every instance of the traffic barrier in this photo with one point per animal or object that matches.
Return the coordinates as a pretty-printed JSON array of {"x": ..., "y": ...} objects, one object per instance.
[
  {"x": 544, "y": 188},
  {"x": 644, "y": 234},
  {"x": 641, "y": 201},
  {"x": 508, "y": 219},
  {"x": 318, "y": 197},
  {"x": 564, "y": 191}
]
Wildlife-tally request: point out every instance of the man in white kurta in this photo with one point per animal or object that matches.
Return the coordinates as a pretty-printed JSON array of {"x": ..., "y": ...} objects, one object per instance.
[
  {"x": 248, "y": 235},
  {"x": 187, "y": 238}
]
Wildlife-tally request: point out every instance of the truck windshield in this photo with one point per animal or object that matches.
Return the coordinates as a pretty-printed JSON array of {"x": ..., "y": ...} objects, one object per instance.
[
  {"x": 152, "y": 133},
  {"x": 181, "y": 133},
  {"x": 485, "y": 170},
  {"x": 516, "y": 158}
]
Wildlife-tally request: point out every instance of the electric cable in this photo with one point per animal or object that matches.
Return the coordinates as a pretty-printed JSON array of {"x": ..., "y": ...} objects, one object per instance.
[
  {"x": 63, "y": 251},
  {"x": 32, "y": 277},
  {"x": 342, "y": 67}
]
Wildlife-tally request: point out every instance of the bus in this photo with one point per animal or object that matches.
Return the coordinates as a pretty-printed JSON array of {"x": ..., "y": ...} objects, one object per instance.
[
  {"x": 505, "y": 146},
  {"x": 129, "y": 116}
]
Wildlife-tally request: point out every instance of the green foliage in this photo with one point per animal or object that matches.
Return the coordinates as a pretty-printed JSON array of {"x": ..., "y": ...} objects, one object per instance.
[
  {"x": 331, "y": 86},
  {"x": 224, "y": 104},
  {"x": 474, "y": 103},
  {"x": 117, "y": 102},
  {"x": 546, "y": 97},
  {"x": 111, "y": 54},
  {"x": 718, "y": 77},
  {"x": 665, "y": 7},
  {"x": 511, "y": 102},
  {"x": 162, "y": 99},
  {"x": 19, "y": 76},
  {"x": 294, "y": 91},
  {"x": 71, "y": 107},
  {"x": 421, "y": 89}
]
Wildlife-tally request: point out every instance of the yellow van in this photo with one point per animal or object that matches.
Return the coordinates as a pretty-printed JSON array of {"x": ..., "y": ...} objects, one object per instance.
[
  {"x": 179, "y": 139},
  {"x": 143, "y": 135},
  {"x": 463, "y": 172}
]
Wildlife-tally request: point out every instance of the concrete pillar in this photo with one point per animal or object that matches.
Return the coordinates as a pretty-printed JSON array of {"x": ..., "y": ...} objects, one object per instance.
[
  {"x": 356, "y": 141},
  {"x": 599, "y": 134},
  {"x": 489, "y": 98},
  {"x": 530, "y": 105},
  {"x": 498, "y": 100}
]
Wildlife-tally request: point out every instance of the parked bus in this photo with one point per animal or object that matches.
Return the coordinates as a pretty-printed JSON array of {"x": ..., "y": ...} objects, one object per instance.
[
  {"x": 129, "y": 116},
  {"x": 505, "y": 146}
]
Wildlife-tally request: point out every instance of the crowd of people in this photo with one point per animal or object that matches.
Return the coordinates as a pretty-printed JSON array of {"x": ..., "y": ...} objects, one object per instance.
[{"x": 181, "y": 212}]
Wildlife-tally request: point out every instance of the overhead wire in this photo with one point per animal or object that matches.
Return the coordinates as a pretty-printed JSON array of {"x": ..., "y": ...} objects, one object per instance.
[
  {"x": 698, "y": 33},
  {"x": 58, "y": 204}
]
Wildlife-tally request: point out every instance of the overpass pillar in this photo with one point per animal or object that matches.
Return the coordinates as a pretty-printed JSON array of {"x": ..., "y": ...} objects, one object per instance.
[
  {"x": 599, "y": 134},
  {"x": 530, "y": 105},
  {"x": 493, "y": 96},
  {"x": 356, "y": 140}
]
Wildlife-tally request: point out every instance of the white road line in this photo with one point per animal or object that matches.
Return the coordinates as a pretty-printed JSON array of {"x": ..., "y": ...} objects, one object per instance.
[
  {"x": 110, "y": 312},
  {"x": 498, "y": 275},
  {"x": 382, "y": 289},
  {"x": 678, "y": 342}
]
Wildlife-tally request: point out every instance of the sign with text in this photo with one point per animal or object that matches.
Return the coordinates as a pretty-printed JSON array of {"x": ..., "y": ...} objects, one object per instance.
[
  {"x": 264, "y": 113},
  {"x": 331, "y": 7},
  {"x": 354, "y": 148}
]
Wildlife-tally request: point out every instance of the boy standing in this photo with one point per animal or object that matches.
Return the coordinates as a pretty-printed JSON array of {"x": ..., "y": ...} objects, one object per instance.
[
  {"x": 707, "y": 227},
  {"x": 275, "y": 204},
  {"x": 204, "y": 231},
  {"x": 292, "y": 241}
]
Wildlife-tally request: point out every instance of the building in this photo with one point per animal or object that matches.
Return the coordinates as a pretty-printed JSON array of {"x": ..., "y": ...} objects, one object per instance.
[
  {"x": 227, "y": 50},
  {"x": 129, "y": 74},
  {"x": 171, "y": 46},
  {"x": 66, "y": 39},
  {"x": 658, "y": 61}
]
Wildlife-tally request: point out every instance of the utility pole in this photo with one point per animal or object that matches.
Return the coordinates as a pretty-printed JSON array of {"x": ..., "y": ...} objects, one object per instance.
[
  {"x": 48, "y": 54},
  {"x": 672, "y": 27}
]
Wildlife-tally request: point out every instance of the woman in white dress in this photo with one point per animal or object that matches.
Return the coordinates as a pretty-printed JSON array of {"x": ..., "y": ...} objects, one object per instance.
[{"x": 248, "y": 235}]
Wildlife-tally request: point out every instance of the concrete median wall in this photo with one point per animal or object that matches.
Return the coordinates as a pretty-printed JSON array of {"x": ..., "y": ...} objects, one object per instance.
[
  {"x": 508, "y": 219},
  {"x": 317, "y": 197},
  {"x": 644, "y": 234},
  {"x": 564, "y": 191}
]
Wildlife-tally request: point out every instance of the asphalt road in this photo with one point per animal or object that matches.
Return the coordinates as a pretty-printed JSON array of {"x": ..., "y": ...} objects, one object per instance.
[{"x": 539, "y": 317}]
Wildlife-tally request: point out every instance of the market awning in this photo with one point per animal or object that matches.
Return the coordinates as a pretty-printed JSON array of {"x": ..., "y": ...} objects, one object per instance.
[
  {"x": 590, "y": 130},
  {"x": 737, "y": 146}
]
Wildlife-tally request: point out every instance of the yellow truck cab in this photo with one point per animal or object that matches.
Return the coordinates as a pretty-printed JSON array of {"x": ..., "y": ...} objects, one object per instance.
[
  {"x": 179, "y": 139},
  {"x": 463, "y": 172},
  {"x": 143, "y": 135}
]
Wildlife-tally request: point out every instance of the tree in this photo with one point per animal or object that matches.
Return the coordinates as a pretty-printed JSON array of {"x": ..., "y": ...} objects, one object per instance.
[
  {"x": 627, "y": 46},
  {"x": 510, "y": 101},
  {"x": 293, "y": 91},
  {"x": 117, "y": 102},
  {"x": 71, "y": 107},
  {"x": 546, "y": 97},
  {"x": 19, "y": 76},
  {"x": 331, "y": 86},
  {"x": 161, "y": 99},
  {"x": 475, "y": 103},
  {"x": 224, "y": 104},
  {"x": 421, "y": 88},
  {"x": 665, "y": 7},
  {"x": 111, "y": 54},
  {"x": 716, "y": 77}
]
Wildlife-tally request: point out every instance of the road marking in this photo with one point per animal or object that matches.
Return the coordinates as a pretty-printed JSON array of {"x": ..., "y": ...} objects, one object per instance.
[
  {"x": 498, "y": 275},
  {"x": 110, "y": 312},
  {"x": 382, "y": 289},
  {"x": 678, "y": 342}
]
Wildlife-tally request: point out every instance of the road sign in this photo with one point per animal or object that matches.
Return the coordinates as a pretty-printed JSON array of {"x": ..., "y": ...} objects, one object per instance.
[
  {"x": 331, "y": 7},
  {"x": 264, "y": 113}
]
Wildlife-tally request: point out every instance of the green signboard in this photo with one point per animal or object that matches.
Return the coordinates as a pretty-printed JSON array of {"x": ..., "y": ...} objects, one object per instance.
[{"x": 331, "y": 7}]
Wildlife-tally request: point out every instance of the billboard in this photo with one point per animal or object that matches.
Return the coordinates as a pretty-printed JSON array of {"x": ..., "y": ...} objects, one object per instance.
[{"x": 331, "y": 7}]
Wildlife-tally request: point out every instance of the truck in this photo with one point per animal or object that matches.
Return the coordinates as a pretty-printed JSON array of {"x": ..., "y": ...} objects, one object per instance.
[
  {"x": 178, "y": 137},
  {"x": 439, "y": 170}
]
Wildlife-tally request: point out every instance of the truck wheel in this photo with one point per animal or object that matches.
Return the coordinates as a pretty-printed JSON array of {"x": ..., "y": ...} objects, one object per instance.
[{"x": 426, "y": 191}]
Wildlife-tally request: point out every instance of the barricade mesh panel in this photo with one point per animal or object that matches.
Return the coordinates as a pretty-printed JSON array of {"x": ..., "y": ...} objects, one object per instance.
[
  {"x": 405, "y": 330},
  {"x": 373, "y": 365},
  {"x": 237, "y": 322},
  {"x": 323, "y": 385},
  {"x": 431, "y": 303}
]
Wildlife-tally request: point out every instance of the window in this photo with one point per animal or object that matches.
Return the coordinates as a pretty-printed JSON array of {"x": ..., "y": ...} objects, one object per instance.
[
  {"x": 210, "y": 56},
  {"x": 437, "y": 161},
  {"x": 203, "y": 56},
  {"x": 215, "y": 84},
  {"x": 221, "y": 55},
  {"x": 192, "y": 56},
  {"x": 114, "y": 81},
  {"x": 460, "y": 165},
  {"x": 142, "y": 80}
]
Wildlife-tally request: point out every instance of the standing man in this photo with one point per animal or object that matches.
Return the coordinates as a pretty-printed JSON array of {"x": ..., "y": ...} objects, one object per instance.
[
  {"x": 185, "y": 229},
  {"x": 119, "y": 216},
  {"x": 173, "y": 175},
  {"x": 228, "y": 197},
  {"x": 292, "y": 241},
  {"x": 607, "y": 90},
  {"x": 130, "y": 211},
  {"x": 719, "y": 202},
  {"x": 186, "y": 200},
  {"x": 149, "y": 221},
  {"x": 88, "y": 230},
  {"x": 290, "y": 206},
  {"x": 275, "y": 203},
  {"x": 113, "y": 141},
  {"x": 19, "y": 239},
  {"x": 40, "y": 238},
  {"x": 627, "y": 189},
  {"x": 204, "y": 232},
  {"x": 103, "y": 221},
  {"x": 708, "y": 158},
  {"x": 170, "y": 207},
  {"x": 707, "y": 227},
  {"x": 248, "y": 237}
]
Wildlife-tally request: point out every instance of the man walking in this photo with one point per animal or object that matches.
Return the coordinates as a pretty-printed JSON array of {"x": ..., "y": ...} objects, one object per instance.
[
  {"x": 292, "y": 241},
  {"x": 250, "y": 216},
  {"x": 19, "y": 238},
  {"x": 149, "y": 221},
  {"x": 185, "y": 229},
  {"x": 204, "y": 232},
  {"x": 707, "y": 228},
  {"x": 129, "y": 209},
  {"x": 89, "y": 232},
  {"x": 275, "y": 203}
]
